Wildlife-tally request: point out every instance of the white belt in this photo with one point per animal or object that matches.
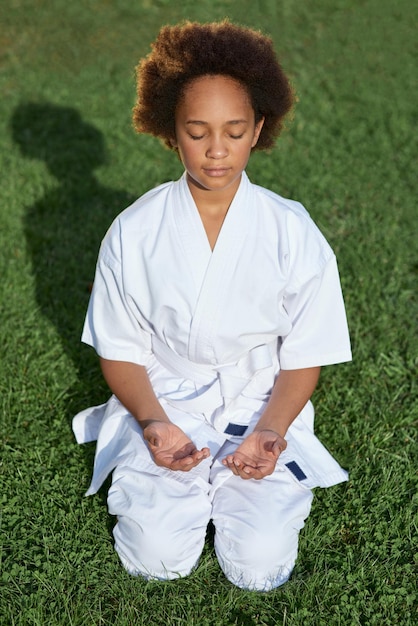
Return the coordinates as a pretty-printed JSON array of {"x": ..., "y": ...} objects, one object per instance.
[{"x": 221, "y": 383}]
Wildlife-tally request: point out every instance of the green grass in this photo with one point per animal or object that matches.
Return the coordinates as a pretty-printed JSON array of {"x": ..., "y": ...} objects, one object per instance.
[{"x": 69, "y": 162}]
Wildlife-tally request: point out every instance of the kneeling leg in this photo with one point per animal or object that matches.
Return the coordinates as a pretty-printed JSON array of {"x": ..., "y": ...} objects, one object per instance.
[
  {"x": 257, "y": 527},
  {"x": 161, "y": 525}
]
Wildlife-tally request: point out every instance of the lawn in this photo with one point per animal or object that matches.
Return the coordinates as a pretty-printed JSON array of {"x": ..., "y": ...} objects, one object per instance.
[{"x": 69, "y": 162}]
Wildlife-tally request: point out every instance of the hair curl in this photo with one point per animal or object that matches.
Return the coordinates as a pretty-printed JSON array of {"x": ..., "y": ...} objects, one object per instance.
[{"x": 186, "y": 51}]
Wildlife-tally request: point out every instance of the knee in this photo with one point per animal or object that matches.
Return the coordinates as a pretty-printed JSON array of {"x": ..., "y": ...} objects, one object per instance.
[
  {"x": 161, "y": 524},
  {"x": 256, "y": 560},
  {"x": 155, "y": 554},
  {"x": 261, "y": 579}
]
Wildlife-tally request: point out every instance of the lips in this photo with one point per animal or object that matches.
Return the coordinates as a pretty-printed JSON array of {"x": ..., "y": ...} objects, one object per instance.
[{"x": 216, "y": 171}]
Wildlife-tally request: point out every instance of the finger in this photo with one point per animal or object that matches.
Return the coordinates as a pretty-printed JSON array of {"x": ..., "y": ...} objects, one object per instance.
[
  {"x": 198, "y": 458},
  {"x": 187, "y": 451},
  {"x": 238, "y": 461},
  {"x": 230, "y": 464},
  {"x": 200, "y": 455},
  {"x": 194, "y": 458},
  {"x": 277, "y": 448},
  {"x": 248, "y": 472},
  {"x": 185, "y": 464},
  {"x": 240, "y": 468}
]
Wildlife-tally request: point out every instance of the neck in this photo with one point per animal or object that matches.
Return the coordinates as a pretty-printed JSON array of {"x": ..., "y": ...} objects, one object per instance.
[{"x": 213, "y": 203}]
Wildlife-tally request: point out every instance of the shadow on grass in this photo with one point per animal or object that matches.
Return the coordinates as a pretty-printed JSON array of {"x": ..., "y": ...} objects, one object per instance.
[{"x": 64, "y": 229}]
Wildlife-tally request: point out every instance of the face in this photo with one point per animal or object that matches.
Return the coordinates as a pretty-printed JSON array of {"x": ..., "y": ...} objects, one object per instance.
[{"x": 215, "y": 131}]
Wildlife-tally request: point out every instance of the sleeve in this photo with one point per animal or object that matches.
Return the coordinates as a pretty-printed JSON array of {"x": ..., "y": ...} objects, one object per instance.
[
  {"x": 315, "y": 306},
  {"x": 111, "y": 327}
]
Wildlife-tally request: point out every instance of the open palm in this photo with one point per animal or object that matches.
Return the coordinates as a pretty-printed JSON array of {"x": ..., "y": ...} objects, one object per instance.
[
  {"x": 172, "y": 448},
  {"x": 257, "y": 455}
]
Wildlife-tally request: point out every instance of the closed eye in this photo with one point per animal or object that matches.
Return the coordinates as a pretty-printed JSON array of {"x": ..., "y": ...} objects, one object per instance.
[{"x": 197, "y": 137}]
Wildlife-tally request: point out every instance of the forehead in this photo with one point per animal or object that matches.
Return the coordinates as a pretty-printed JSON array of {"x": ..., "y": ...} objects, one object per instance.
[{"x": 212, "y": 92}]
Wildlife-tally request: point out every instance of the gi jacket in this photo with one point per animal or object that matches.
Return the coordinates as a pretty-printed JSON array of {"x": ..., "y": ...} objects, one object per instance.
[{"x": 214, "y": 328}]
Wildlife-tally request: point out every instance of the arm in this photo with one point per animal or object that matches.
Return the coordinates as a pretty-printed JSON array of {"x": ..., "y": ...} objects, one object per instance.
[
  {"x": 256, "y": 457},
  {"x": 168, "y": 444},
  {"x": 291, "y": 391},
  {"x": 131, "y": 385}
]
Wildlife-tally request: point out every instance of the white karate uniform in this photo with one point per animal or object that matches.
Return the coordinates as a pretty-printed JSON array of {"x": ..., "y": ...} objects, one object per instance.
[{"x": 213, "y": 329}]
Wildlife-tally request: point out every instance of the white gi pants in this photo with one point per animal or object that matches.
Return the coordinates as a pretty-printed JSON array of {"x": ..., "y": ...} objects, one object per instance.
[
  {"x": 162, "y": 521},
  {"x": 163, "y": 515}
]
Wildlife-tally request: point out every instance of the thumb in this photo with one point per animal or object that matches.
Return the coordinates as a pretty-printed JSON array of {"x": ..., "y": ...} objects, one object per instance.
[
  {"x": 279, "y": 445},
  {"x": 152, "y": 438}
]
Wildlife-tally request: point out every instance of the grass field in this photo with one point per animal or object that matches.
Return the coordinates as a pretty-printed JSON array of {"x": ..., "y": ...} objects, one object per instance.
[{"x": 69, "y": 162}]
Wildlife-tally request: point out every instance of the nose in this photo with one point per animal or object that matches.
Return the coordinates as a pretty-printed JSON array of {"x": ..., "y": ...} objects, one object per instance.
[{"x": 217, "y": 148}]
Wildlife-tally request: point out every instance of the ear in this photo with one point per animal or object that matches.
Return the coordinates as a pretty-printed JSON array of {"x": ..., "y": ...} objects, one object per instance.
[
  {"x": 257, "y": 131},
  {"x": 173, "y": 143}
]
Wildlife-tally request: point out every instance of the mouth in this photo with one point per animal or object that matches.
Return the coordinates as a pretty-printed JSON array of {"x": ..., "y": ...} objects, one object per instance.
[{"x": 216, "y": 171}]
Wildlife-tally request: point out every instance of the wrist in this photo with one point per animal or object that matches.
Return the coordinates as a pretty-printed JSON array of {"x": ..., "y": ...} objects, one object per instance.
[
  {"x": 272, "y": 424},
  {"x": 280, "y": 441},
  {"x": 148, "y": 421}
]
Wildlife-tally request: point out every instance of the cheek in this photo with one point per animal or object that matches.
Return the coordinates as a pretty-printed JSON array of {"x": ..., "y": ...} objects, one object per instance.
[{"x": 188, "y": 153}]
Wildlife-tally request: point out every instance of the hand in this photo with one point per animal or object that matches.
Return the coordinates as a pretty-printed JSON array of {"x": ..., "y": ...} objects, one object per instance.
[
  {"x": 171, "y": 448},
  {"x": 256, "y": 457}
]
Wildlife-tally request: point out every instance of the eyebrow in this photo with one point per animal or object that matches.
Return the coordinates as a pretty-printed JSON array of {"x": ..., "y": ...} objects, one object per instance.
[{"x": 230, "y": 122}]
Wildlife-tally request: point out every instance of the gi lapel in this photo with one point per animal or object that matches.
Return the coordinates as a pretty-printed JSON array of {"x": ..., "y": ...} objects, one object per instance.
[
  {"x": 190, "y": 233},
  {"x": 215, "y": 286}
]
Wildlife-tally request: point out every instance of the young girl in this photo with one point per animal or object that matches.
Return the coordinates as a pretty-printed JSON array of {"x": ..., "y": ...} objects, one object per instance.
[{"x": 215, "y": 303}]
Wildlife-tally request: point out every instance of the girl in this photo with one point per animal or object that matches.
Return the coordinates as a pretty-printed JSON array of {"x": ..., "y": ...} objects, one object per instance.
[{"x": 215, "y": 303}]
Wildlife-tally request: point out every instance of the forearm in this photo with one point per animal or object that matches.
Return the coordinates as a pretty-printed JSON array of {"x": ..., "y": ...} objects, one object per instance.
[
  {"x": 291, "y": 391},
  {"x": 131, "y": 385}
]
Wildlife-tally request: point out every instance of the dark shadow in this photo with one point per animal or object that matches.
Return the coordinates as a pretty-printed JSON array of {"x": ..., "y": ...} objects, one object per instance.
[{"x": 65, "y": 227}]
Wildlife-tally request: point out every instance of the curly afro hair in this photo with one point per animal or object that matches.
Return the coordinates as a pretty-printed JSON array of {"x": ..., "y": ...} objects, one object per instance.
[{"x": 186, "y": 51}]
